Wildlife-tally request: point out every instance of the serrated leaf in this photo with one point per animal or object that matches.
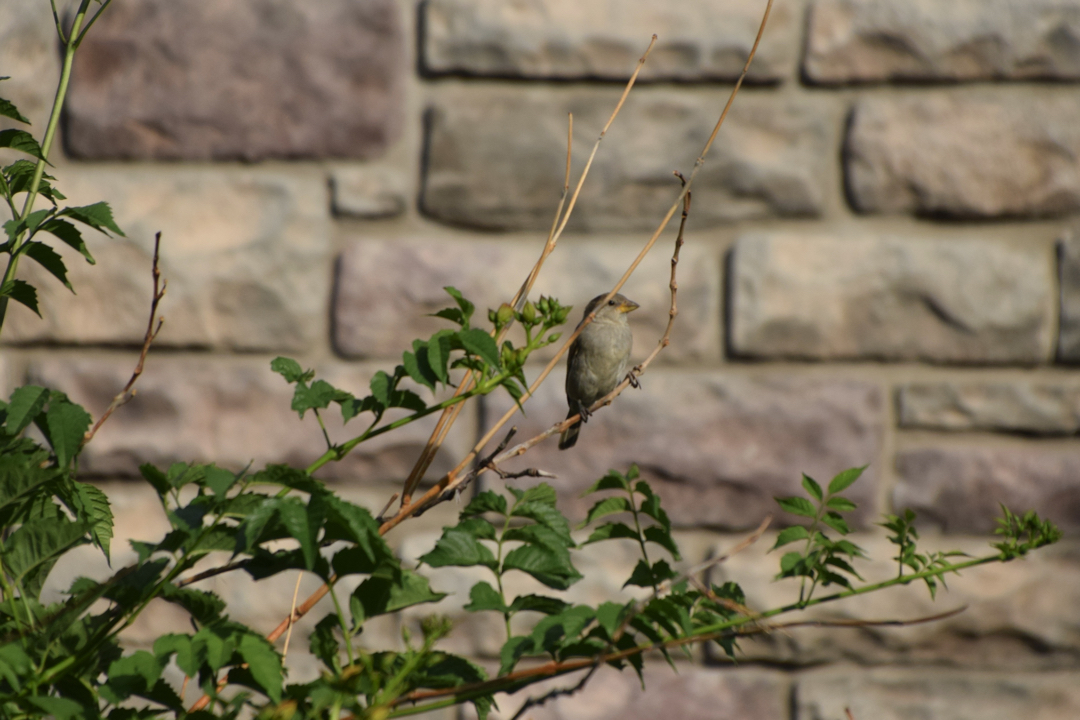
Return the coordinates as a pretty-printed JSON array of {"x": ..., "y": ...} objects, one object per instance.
[
  {"x": 323, "y": 643},
  {"x": 97, "y": 513},
  {"x": 58, "y": 707},
  {"x": 67, "y": 424},
  {"x": 811, "y": 487},
  {"x": 48, "y": 259},
  {"x": 844, "y": 480},
  {"x": 546, "y": 564},
  {"x": 797, "y": 506},
  {"x": 22, "y": 141},
  {"x": 841, "y": 504},
  {"x": 317, "y": 396},
  {"x": 21, "y": 292},
  {"x": 389, "y": 590},
  {"x": 264, "y": 664},
  {"x": 98, "y": 216},
  {"x": 605, "y": 507},
  {"x": 513, "y": 650},
  {"x": 204, "y": 607},
  {"x": 538, "y": 603},
  {"x": 484, "y": 597},
  {"x": 288, "y": 369},
  {"x": 416, "y": 365},
  {"x": 646, "y": 576},
  {"x": 135, "y": 673},
  {"x": 612, "y": 531},
  {"x": 458, "y": 548},
  {"x": 486, "y": 501},
  {"x": 69, "y": 234},
  {"x": 836, "y": 522},
  {"x": 31, "y": 551},
  {"x": 662, "y": 537},
  {"x": 612, "y": 481},
  {"x": 438, "y": 355},
  {"x": 8, "y": 109},
  {"x": 790, "y": 535},
  {"x": 467, "y": 307},
  {"x": 26, "y": 402},
  {"x": 479, "y": 343}
]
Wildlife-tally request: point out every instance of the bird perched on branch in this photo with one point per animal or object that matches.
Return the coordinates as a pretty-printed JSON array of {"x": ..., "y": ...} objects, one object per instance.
[{"x": 597, "y": 360}]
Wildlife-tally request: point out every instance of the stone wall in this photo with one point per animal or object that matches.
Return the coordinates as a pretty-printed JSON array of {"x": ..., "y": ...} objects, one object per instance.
[{"x": 881, "y": 268}]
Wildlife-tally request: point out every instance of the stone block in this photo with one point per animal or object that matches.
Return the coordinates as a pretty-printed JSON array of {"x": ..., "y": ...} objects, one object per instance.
[
  {"x": 1068, "y": 349},
  {"x": 1016, "y": 616},
  {"x": 232, "y": 413},
  {"x": 245, "y": 255},
  {"x": 569, "y": 40},
  {"x": 716, "y": 446},
  {"x": 972, "y": 155},
  {"x": 1023, "y": 407},
  {"x": 387, "y": 288},
  {"x": 926, "y": 40},
  {"x": 368, "y": 193},
  {"x": 497, "y": 157},
  {"x": 959, "y": 489},
  {"x": 690, "y": 693},
  {"x": 30, "y": 56},
  {"x": 964, "y": 300},
  {"x": 249, "y": 81},
  {"x": 888, "y": 694}
]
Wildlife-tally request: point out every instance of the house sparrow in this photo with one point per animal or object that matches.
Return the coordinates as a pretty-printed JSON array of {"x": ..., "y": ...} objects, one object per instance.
[{"x": 597, "y": 360}]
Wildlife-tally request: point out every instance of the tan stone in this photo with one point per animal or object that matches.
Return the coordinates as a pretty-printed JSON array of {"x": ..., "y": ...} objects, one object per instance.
[
  {"x": 1068, "y": 349},
  {"x": 1026, "y": 407},
  {"x": 717, "y": 447},
  {"x": 1016, "y": 615},
  {"x": 245, "y": 255},
  {"x": 29, "y": 55},
  {"x": 497, "y": 157},
  {"x": 927, "y": 40},
  {"x": 563, "y": 39},
  {"x": 367, "y": 193},
  {"x": 253, "y": 80},
  {"x": 387, "y": 288},
  {"x": 960, "y": 488},
  {"x": 232, "y": 412},
  {"x": 890, "y": 298},
  {"x": 888, "y": 694},
  {"x": 965, "y": 154}
]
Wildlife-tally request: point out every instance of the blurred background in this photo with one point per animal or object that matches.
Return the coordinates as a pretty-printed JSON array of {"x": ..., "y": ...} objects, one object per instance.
[{"x": 881, "y": 268}]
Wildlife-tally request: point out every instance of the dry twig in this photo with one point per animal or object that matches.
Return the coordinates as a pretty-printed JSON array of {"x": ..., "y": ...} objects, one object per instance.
[{"x": 152, "y": 331}]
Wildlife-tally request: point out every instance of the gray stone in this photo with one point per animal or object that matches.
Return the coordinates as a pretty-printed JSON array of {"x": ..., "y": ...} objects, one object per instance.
[
  {"x": 29, "y": 55},
  {"x": 688, "y": 693},
  {"x": 497, "y": 157},
  {"x": 889, "y": 298},
  {"x": 888, "y": 694},
  {"x": 1016, "y": 616},
  {"x": 965, "y": 154},
  {"x": 564, "y": 39},
  {"x": 927, "y": 40},
  {"x": 245, "y": 255},
  {"x": 1068, "y": 349},
  {"x": 252, "y": 80},
  {"x": 367, "y": 193},
  {"x": 1025, "y": 407},
  {"x": 232, "y": 413},
  {"x": 960, "y": 489},
  {"x": 387, "y": 289},
  {"x": 716, "y": 446}
]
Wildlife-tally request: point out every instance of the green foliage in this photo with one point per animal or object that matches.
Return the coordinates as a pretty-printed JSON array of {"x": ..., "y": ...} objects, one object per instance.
[
  {"x": 905, "y": 536},
  {"x": 1023, "y": 533}
]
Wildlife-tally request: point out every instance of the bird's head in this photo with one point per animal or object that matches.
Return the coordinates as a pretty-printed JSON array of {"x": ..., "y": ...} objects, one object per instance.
[{"x": 616, "y": 308}]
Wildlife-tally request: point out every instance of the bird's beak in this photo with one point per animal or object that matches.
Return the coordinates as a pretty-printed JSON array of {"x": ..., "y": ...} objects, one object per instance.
[{"x": 628, "y": 306}]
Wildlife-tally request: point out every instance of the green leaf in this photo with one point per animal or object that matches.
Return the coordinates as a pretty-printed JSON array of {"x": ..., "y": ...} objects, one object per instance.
[
  {"x": 264, "y": 664},
  {"x": 546, "y": 564},
  {"x": 486, "y": 501},
  {"x": 97, "y": 513},
  {"x": 605, "y": 507},
  {"x": 221, "y": 480},
  {"x": 316, "y": 397},
  {"x": 69, "y": 234},
  {"x": 612, "y": 531},
  {"x": 36, "y": 545},
  {"x": 841, "y": 504},
  {"x": 484, "y": 597},
  {"x": 479, "y": 343},
  {"x": 22, "y": 141},
  {"x": 26, "y": 403},
  {"x": 645, "y": 575},
  {"x": 538, "y": 603},
  {"x": 288, "y": 369},
  {"x": 15, "y": 665},
  {"x": 323, "y": 643},
  {"x": 797, "y": 506},
  {"x": 67, "y": 424},
  {"x": 416, "y": 365},
  {"x": 467, "y": 307},
  {"x": 459, "y": 548},
  {"x": 135, "y": 673},
  {"x": 790, "y": 535},
  {"x": 8, "y": 109},
  {"x": 836, "y": 522},
  {"x": 389, "y": 590},
  {"x": 346, "y": 521},
  {"x": 811, "y": 487},
  {"x": 98, "y": 216},
  {"x": 58, "y": 707},
  {"x": 612, "y": 481},
  {"x": 438, "y": 355},
  {"x": 204, "y": 607},
  {"x": 662, "y": 537},
  {"x": 21, "y": 292},
  {"x": 513, "y": 650},
  {"x": 842, "y": 481}
]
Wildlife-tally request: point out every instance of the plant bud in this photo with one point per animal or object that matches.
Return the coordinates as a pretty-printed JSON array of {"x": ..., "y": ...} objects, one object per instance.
[{"x": 505, "y": 314}]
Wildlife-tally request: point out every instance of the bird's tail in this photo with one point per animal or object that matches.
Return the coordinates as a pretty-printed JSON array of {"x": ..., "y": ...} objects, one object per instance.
[{"x": 569, "y": 435}]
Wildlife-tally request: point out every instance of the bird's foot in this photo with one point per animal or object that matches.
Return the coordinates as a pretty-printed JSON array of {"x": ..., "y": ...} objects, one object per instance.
[
  {"x": 583, "y": 412},
  {"x": 632, "y": 376}
]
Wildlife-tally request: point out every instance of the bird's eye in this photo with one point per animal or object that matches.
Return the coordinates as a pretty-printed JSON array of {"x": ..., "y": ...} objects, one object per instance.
[{"x": 611, "y": 302}]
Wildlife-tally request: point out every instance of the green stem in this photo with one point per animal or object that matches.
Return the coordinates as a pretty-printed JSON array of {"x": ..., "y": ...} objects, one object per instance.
[
  {"x": 498, "y": 573},
  {"x": 341, "y": 622},
  {"x": 46, "y": 146}
]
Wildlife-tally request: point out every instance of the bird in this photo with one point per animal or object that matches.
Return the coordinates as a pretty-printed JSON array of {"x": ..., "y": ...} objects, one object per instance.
[{"x": 597, "y": 360}]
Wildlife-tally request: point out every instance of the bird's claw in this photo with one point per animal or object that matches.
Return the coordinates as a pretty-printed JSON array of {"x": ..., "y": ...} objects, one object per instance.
[
  {"x": 632, "y": 376},
  {"x": 584, "y": 412}
]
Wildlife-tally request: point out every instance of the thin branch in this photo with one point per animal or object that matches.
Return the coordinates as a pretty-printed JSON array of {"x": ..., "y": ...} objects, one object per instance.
[
  {"x": 152, "y": 330},
  {"x": 557, "y": 692},
  {"x": 292, "y": 609}
]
